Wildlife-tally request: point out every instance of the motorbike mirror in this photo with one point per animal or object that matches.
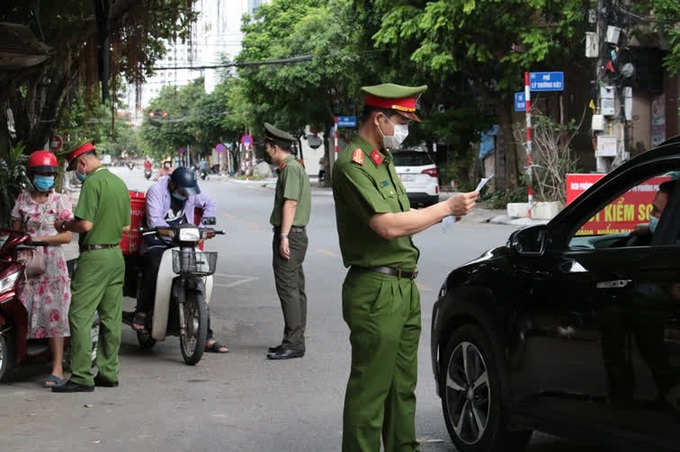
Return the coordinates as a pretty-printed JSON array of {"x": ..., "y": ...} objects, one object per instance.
[{"x": 208, "y": 221}]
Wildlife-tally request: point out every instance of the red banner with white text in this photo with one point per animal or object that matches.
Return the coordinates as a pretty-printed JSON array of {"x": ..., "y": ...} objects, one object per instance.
[{"x": 624, "y": 213}]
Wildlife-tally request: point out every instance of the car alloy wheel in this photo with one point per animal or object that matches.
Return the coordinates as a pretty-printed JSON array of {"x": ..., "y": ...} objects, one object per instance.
[
  {"x": 468, "y": 393},
  {"x": 471, "y": 389}
]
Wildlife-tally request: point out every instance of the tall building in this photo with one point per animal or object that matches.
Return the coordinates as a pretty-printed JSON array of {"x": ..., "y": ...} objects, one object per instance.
[{"x": 215, "y": 36}]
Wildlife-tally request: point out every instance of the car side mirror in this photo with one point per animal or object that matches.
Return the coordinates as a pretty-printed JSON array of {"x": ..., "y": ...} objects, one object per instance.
[
  {"x": 531, "y": 241},
  {"x": 208, "y": 221}
]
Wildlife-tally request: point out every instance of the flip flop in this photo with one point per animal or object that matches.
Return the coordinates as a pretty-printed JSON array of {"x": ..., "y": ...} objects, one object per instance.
[
  {"x": 216, "y": 347},
  {"x": 53, "y": 381},
  {"x": 139, "y": 322}
]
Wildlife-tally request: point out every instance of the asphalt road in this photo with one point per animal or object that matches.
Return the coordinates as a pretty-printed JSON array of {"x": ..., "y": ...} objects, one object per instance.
[{"x": 241, "y": 401}]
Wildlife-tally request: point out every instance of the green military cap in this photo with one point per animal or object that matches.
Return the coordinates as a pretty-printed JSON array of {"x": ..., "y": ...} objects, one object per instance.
[
  {"x": 400, "y": 98},
  {"x": 276, "y": 134}
]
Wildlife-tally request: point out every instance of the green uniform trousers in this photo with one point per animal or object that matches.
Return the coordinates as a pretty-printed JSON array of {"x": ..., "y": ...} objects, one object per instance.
[
  {"x": 97, "y": 286},
  {"x": 383, "y": 315},
  {"x": 290, "y": 286}
]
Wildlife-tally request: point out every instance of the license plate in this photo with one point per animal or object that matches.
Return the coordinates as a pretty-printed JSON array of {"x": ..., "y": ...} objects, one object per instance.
[{"x": 407, "y": 178}]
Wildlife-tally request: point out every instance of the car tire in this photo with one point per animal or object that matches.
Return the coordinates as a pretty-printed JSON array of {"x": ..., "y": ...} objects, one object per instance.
[{"x": 471, "y": 390}]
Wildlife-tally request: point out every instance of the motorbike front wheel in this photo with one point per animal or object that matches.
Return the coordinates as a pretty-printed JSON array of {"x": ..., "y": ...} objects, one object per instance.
[
  {"x": 6, "y": 355},
  {"x": 192, "y": 337}
]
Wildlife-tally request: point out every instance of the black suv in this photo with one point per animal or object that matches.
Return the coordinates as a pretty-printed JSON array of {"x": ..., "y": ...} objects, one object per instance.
[{"x": 572, "y": 327}]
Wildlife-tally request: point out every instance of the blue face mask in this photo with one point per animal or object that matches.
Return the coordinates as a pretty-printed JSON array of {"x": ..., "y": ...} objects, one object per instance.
[
  {"x": 81, "y": 177},
  {"x": 653, "y": 223},
  {"x": 43, "y": 183},
  {"x": 178, "y": 196}
]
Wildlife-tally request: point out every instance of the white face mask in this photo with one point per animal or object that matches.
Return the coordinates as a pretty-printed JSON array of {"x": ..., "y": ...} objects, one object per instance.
[{"x": 400, "y": 134}]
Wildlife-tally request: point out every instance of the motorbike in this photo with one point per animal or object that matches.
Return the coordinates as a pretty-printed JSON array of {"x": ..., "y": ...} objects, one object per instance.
[
  {"x": 200, "y": 172},
  {"x": 15, "y": 347},
  {"x": 147, "y": 173},
  {"x": 131, "y": 165},
  {"x": 183, "y": 289}
]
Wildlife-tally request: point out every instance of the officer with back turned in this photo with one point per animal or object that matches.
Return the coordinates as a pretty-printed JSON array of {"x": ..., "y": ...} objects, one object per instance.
[{"x": 103, "y": 211}]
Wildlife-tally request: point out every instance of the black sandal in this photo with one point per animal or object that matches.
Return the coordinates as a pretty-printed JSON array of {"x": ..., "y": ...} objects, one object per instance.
[
  {"x": 216, "y": 347},
  {"x": 139, "y": 321}
]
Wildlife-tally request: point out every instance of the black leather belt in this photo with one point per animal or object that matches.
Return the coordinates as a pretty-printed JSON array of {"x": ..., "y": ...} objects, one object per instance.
[
  {"x": 393, "y": 271},
  {"x": 96, "y": 247},
  {"x": 294, "y": 229}
]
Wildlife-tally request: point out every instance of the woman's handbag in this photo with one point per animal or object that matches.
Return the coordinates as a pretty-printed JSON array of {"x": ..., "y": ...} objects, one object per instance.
[{"x": 33, "y": 260}]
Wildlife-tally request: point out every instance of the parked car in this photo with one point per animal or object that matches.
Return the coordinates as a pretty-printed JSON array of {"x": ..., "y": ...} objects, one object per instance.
[
  {"x": 573, "y": 327},
  {"x": 419, "y": 175}
]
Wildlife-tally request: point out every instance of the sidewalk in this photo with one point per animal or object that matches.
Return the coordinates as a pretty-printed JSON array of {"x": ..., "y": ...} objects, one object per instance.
[{"x": 478, "y": 215}]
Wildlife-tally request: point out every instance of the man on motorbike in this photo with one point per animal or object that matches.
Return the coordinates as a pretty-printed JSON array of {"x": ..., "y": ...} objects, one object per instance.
[
  {"x": 165, "y": 170},
  {"x": 169, "y": 202}
]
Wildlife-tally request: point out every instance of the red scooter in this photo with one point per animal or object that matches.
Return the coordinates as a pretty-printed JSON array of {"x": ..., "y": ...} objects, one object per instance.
[{"x": 15, "y": 347}]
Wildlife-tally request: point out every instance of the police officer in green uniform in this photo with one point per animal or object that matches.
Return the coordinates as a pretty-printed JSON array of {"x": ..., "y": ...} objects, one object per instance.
[
  {"x": 103, "y": 211},
  {"x": 380, "y": 300},
  {"x": 292, "y": 205}
]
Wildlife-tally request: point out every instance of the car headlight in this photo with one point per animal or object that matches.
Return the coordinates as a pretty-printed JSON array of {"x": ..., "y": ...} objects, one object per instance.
[
  {"x": 189, "y": 235},
  {"x": 9, "y": 281}
]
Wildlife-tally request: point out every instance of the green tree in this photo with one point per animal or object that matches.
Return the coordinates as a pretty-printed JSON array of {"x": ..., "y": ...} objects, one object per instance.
[
  {"x": 323, "y": 64},
  {"x": 665, "y": 22},
  {"x": 127, "y": 35},
  {"x": 172, "y": 120},
  {"x": 475, "y": 51}
]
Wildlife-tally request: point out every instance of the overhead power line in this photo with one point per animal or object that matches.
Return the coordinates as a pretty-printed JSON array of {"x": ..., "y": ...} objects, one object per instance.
[{"x": 297, "y": 59}]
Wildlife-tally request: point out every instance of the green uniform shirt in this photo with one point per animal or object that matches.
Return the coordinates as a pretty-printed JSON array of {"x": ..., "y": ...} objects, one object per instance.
[
  {"x": 105, "y": 202},
  {"x": 292, "y": 183},
  {"x": 365, "y": 183}
]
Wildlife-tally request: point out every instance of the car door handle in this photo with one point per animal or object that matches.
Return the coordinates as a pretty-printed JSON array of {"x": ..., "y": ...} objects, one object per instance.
[{"x": 614, "y": 284}]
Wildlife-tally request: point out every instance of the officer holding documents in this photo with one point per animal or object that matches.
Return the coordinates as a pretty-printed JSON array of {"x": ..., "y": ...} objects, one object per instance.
[{"x": 380, "y": 299}]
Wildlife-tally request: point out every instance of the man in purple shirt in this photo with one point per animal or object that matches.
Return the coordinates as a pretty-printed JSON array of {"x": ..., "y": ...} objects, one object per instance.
[{"x": 169, "y": 202}]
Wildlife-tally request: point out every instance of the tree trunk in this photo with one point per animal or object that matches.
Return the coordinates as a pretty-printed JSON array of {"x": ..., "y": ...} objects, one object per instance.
[{"x": 507, "y": 149}]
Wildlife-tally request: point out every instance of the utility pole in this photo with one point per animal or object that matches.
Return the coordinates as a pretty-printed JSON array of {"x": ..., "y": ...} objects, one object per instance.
[{"x": 602, "y": 163}]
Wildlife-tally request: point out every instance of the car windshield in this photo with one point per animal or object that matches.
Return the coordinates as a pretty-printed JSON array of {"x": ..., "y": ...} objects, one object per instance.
[{"x": 411, "y": 158}]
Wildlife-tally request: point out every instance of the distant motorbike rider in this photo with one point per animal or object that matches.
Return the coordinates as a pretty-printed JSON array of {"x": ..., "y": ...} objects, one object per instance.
[
  {"x": 170, "y": 202},
  {"x": 165, "y": 170}
]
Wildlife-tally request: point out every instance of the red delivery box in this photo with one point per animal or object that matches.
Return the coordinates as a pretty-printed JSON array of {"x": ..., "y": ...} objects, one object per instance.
[{"x": 132, "y": 239}]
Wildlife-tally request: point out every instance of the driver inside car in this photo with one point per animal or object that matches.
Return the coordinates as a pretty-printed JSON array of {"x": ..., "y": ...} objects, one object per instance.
[
  {"x": 170, "y": 202},
  {"x": 643, "y": 233}
]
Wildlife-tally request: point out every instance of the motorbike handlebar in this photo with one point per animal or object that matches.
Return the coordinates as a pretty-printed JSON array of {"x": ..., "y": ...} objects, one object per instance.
[{"x": 145, "y": 231}]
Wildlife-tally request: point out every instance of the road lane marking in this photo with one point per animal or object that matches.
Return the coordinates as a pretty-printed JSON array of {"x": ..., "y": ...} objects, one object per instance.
[
  {"x": 423, "y": 287},
  {"x": 240, "y": 279},
  {"x": 326, "y": 252}
]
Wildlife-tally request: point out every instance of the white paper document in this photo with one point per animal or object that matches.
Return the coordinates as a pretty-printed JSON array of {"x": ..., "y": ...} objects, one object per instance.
[{"x": 447, "y": 221}]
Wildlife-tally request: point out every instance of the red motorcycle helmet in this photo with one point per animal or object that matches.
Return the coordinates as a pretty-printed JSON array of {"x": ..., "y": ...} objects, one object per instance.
[{"x": 42, "y": 162}]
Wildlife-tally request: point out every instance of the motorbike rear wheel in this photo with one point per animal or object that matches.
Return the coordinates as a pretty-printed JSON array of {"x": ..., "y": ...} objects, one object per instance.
[{"x": 193, "y": 336}]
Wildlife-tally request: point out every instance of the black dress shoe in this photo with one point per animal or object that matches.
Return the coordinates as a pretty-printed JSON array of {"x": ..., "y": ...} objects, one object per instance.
[
  {"x": 286, "y": 353},
  {"x": 101, "y": 381},
  {"x": 275, "y": 348},
  {"x": 70, "y": 386}
]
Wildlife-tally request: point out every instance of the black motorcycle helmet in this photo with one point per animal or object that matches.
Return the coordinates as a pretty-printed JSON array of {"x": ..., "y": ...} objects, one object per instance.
[{"x": 183, "y": 178}]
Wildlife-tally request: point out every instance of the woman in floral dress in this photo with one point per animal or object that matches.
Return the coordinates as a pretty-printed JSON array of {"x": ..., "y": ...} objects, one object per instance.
[{"x": 46, "y": 296}]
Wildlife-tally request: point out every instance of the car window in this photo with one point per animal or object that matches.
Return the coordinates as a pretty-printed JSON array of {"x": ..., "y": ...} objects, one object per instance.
[
  {"x": 616, "y": 224},
  {"x": 411, "y": 158}
]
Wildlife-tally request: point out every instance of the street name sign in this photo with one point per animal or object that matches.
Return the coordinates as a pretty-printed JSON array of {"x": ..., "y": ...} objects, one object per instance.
[
  {"x": 347, "y": 121},
  {"x": 546, "y": 81}
]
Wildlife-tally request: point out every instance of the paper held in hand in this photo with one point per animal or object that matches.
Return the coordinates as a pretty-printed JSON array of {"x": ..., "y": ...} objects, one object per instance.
[{"x": 451, "y": 219}]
